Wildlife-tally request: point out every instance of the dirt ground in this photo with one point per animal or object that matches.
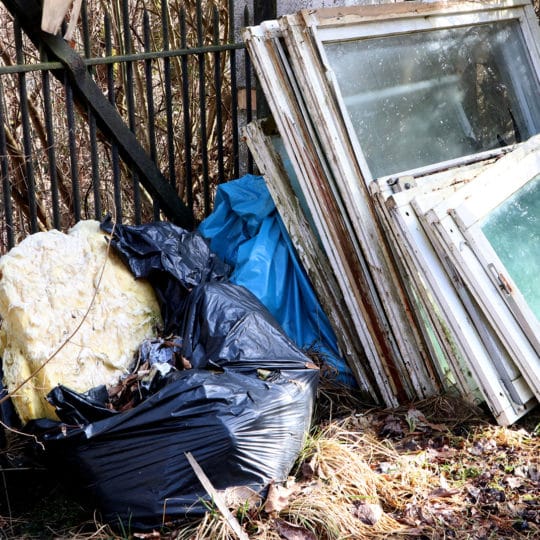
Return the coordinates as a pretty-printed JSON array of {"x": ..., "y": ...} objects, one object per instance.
[{"x": 434, "y": 470}]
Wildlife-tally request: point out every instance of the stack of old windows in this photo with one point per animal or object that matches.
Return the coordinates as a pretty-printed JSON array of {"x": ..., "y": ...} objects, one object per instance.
[{"x": 403, "y": 155}]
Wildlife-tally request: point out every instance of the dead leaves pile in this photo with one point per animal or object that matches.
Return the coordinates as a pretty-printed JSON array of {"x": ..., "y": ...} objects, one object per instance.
[
  {"x": 438, "y": 470},
  {"x": 401, "y": 474}
]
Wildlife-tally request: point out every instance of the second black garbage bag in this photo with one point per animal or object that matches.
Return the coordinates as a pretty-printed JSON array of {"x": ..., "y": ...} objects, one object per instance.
[
  {"x": 172, "y": 259},
  {"x": 242, "y": 411}
]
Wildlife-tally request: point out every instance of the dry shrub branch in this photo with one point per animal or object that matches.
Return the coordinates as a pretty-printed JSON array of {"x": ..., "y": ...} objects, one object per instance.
[{"x": 192, "y": 115}]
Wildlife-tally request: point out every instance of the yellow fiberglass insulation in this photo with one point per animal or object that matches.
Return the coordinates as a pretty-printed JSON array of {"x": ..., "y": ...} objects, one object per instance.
[{"x": 47, "y": 284}]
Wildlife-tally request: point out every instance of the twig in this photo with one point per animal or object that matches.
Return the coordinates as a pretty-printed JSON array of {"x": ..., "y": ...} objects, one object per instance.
[
  {"x": 218, "y": 500},
  {"x": 13, "y": 430},
  {"x": 8, "y": 503}
]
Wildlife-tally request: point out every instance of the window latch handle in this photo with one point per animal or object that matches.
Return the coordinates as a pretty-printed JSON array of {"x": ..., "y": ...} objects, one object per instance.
[{"x": 501, "y": 279}]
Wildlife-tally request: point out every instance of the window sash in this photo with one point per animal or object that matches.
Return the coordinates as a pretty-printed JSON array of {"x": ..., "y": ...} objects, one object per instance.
[{"x": 357, "y": 22}]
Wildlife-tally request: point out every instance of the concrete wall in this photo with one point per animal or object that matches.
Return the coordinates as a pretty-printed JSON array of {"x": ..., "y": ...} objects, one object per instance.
[
  {"x": 286, "y": 6},
  {"x": 290, "y": 6}
]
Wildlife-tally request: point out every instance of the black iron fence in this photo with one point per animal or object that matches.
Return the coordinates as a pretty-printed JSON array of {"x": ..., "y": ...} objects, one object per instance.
[{"x": 171, "y": 73}]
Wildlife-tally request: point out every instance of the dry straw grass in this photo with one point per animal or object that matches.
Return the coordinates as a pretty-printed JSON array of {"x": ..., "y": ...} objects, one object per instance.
[
  {"x": 377, "y": 474},
  {"x": 347, "y": 467}
]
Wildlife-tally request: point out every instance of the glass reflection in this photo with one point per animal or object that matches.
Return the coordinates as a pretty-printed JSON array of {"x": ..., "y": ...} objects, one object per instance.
[
  {"x": 513, "y": 230},
  {"x": 426, "y": 97}
]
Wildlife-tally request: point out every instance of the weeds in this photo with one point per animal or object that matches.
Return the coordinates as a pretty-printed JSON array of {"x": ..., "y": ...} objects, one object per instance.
[{"x": 350, "y": 481}]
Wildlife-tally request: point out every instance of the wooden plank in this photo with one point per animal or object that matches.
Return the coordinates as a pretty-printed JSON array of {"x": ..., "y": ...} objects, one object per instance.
[
  {"x": 347, "y": 15},
  {"x": 73, "y": 20},
  {"x": 54, "y": 13},
  {"x": 231, "y": 521}
]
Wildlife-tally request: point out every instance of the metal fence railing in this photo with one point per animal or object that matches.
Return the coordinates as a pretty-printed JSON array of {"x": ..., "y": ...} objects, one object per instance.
[{"x": 172, "y": 71}]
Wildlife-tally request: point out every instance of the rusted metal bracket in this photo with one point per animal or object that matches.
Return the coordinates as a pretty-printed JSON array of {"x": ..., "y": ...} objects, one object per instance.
[{"x": 87, "y": 93}]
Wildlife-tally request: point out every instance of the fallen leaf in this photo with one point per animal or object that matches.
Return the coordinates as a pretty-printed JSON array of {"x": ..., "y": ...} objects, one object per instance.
[
  {"x": 442, "y": 455},
  {"x": 443, "y": 482},
  {"x": 442, "y": 493},
  {"x": 483, "y": 446},
  {"x": 514, "y": 510},
  {"x": 474, "y": 492},
  {"x": 415, "y": 417},
  {"x": 308, "y": 472},
  {"x": 239, "y": 496},
  {"x": 392, "y": 427},
  {"x": 513, "y": 482},
  {"x": 363, "y": 422},
  {"x": 385, "y": 467},
  {"x": 292, "y": 532},
  {"x": 278, "y": 498},
  {"x": 367, "y": 513},
  {"x": 534, "y": 473},
  {"x": 491, "y": 495}
]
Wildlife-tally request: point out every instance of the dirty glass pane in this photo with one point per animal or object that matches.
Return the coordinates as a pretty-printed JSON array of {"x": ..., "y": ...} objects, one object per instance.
[
  {"x": 426, "y": 97},
  {"x": 513, "y": 230}
]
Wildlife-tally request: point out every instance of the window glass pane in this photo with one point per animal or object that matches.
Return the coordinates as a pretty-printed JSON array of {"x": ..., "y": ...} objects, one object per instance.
[
  {"x": 513, "y": 230},
  {"x": 425, "y": 97}
]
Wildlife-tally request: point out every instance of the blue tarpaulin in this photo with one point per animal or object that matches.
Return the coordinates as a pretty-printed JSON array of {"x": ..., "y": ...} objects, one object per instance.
[{"x": 245, "y": 230}]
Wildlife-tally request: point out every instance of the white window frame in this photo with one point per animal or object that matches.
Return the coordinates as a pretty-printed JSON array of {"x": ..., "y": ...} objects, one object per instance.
[
  {"x": 357, "y": 22},
  {"x": 460, "y": 217},
  {"x": 309, "y": 111},
  {"x": 505, "y": 390},
  {"x": 366, "y": 244}
]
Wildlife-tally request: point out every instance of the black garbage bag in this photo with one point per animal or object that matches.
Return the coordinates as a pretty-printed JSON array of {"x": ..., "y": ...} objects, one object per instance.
[
  {"x": 242, "y": 431},
  {"x": 172, "y": 259},
  {"x": 242, "y": 411},
  {"x": 225, "y": 325},
  {"x": 76, "y": 408}
]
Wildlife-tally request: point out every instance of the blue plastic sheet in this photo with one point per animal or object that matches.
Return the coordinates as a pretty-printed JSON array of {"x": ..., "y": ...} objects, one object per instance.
[{"x": 245, "y": 230}]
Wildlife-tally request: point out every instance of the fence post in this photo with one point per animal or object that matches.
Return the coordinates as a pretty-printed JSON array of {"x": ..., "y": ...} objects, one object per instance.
[{"x": 263, "y": 10}]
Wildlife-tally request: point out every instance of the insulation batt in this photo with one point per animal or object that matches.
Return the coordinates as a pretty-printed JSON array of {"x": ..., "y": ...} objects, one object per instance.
[{"x": 47, "y": 284}]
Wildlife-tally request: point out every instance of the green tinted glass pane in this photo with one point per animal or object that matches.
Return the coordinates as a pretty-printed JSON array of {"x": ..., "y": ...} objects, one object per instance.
[
  {"x": 513, "y": 230},
  {"x": 425, "y": 97}
]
